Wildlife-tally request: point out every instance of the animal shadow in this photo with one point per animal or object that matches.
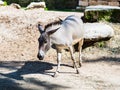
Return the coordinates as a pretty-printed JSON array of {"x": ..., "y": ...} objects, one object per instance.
[{"x": 29, "y": 67}]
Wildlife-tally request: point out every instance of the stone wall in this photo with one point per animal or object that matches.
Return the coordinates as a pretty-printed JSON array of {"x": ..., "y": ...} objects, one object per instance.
[{"x": 98, "y": 2}]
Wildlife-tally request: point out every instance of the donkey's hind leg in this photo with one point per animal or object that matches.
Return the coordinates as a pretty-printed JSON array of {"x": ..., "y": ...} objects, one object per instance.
[
  {"x": 80, "y": 54},
  {"x": 73, "y": 58},
  {"x": 58, "y": 63}
]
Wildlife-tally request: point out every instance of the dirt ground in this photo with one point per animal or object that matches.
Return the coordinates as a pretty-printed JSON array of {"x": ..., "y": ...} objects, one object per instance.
[{"x": 21, "y": 70}]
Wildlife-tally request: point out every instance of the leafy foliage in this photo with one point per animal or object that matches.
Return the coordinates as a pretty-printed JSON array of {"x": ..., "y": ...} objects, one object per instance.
[
  {"x": 101, "y": 44},
  {"x": 106, "y": 15},
  {"x": 51, "y": 4},
  {"x": 5, "y": 3}
]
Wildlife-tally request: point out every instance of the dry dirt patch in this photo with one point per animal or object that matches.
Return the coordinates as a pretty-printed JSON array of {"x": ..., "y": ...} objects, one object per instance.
[{"x": 19, "y": 33}]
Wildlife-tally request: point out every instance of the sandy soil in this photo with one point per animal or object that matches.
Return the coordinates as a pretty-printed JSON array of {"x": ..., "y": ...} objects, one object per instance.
[{"x": 21, "y": 70}]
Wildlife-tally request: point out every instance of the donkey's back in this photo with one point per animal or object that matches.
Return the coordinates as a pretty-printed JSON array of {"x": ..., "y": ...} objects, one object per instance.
[
  {"x": 70, "y": 32},
  {"x": 74, "y": 24},
  {"x": 75, "y": 27}
]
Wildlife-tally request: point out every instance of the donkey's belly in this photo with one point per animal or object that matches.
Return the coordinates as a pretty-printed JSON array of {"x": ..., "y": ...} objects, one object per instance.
[
  {"x": 66, "y": 46},
  {"x": 62, "y": 46},
  {"x": 76, "y": 41}
]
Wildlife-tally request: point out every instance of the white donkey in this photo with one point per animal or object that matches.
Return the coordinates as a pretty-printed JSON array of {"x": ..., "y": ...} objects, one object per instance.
[{"x": 62, "y": 34}]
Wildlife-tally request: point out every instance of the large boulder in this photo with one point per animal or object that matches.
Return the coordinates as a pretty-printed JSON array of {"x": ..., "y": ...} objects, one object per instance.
[
  {"x": 102, "y": 12},
  {"x": 33, "y": 5},
  {"x": 15, "y": 5},
  {"x": 97, "y": 31}
]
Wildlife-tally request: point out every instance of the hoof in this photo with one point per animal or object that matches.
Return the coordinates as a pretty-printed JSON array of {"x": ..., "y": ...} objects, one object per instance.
[
  {"x": 73, "y": 66},
  {"x": 55, "y": 74},
  {"x": 78, "y": 72},
  {"x": 80, "y": 65}
]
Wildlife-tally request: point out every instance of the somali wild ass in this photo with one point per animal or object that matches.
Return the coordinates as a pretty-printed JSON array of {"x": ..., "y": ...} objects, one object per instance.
[{"x": 62, "y": 34}]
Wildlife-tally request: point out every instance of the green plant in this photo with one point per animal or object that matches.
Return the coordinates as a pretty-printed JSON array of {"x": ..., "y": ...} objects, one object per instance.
[
  {"x": 111, "y": 15},
  {"x": 61, "y": 4},
  {"x": 46, "y": 9},
  {"x": 5, "y": 3},
  {"x": 100, "y": 44}
]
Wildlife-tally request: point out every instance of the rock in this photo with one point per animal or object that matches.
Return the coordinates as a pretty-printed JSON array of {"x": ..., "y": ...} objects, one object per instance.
[
  {"x": 1, "y": 3},
  {"x": 17, "y": 6},
  {"x": 97, "y": 31},
  {"x": 33, "y": 5},
  {"x": 101, "y": 7},
  {"x": 102, "y": 12}
]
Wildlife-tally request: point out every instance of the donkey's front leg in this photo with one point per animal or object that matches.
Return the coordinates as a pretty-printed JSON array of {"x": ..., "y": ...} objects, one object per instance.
[
  {"x": 73, "y": 58},
  {"x": 58, "y": 63}
]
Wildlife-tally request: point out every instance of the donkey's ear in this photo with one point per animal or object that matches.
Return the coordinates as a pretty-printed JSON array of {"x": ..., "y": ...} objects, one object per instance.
[
  {"x": 60, "y": 20},
  {"x": 52, "y": 31},
  {"x": 40, "y": 28}
]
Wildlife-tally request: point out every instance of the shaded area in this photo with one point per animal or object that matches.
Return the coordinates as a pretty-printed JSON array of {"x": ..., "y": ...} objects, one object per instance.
[
  {"x": 29, "y": 84},
  {"x": 30, "y": 67},
  {"x": 88, "y": 43},
  {"x": 110, "y": 60},
  {"x": 12, "y": 80},
  {"x": 47, "y": 85},
  {"x": 11, "y": 65},
  {"x": 8, "y": 84}
]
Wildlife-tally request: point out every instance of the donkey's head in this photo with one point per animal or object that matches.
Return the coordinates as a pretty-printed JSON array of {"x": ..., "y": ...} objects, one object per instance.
[{"x": 44, "y": 41}]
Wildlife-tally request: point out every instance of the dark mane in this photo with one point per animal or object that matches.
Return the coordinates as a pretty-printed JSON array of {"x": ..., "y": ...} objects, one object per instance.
[{"x": 53, "y": 23}]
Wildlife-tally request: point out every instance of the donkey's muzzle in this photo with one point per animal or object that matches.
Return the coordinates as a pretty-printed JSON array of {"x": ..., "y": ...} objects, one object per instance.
[{"x": 40, "y": 57}]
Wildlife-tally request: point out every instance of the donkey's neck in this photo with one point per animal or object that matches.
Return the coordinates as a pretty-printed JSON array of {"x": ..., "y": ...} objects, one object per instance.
[{"x": 53, "y": 25}]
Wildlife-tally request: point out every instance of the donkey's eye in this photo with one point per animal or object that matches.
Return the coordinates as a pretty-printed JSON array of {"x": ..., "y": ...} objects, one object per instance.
[
  {"x": 45, "y": 41},
  {"x": 38, "y": 39}
]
